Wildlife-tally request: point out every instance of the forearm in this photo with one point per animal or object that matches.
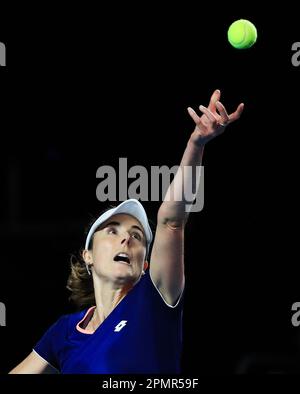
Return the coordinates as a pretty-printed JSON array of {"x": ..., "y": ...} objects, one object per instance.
[{"x": 182, "y": 191}]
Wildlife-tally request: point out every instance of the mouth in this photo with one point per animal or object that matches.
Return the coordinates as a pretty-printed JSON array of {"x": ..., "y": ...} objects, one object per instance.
[{"x": 122, "y": 258}]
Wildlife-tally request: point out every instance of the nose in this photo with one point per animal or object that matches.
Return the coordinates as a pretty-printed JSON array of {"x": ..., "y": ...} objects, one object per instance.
[{"x": 126, "y": 239}]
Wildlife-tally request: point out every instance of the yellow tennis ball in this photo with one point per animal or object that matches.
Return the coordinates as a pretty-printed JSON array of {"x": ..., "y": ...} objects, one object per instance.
[{"x": 242, "y": 34}]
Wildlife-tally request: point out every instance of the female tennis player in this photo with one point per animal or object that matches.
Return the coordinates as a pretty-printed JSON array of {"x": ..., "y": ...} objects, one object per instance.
[{"x": 131, "y": 311}]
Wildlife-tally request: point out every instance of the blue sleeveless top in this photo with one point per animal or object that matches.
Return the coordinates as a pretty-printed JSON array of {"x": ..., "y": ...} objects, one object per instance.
[{"x": 143, "y": 334}]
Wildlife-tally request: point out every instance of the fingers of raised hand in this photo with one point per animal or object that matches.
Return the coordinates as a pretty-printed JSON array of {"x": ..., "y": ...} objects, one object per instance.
[
  {"x": 214, "y": 98},
  {"x": 193, "y": 115},
  {"x": 237, "y": 113},
  {"x": 224, "y": 117},
  {"x": 209, "y": 115},
  {"x": 213, "y": 118}
]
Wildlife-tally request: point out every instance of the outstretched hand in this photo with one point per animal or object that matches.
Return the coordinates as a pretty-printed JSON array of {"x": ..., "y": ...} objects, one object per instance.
[{"x": 213, "y": 121}]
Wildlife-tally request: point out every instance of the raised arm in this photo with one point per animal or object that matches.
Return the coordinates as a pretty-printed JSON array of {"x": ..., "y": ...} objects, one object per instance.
[{"x": 167, "y": 258}]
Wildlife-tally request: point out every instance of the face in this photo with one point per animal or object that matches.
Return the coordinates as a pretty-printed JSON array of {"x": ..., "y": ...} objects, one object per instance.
[{"x": 119, "y": 250}]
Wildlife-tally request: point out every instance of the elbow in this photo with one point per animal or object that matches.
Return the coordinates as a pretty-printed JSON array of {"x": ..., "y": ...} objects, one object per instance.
[{"x": 171, "y": 219}]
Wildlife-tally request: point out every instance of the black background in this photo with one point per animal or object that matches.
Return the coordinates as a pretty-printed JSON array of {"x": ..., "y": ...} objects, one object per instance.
[{"x": 86, "y": 86}]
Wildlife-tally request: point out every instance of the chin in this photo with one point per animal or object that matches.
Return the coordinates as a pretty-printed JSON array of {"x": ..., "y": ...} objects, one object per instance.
[
  {"x": 123, "y": 272},
  {"x": 125, "y": 278}
]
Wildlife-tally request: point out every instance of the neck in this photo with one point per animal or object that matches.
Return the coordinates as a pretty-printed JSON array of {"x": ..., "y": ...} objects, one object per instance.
[{"x": 107, "y": 298}]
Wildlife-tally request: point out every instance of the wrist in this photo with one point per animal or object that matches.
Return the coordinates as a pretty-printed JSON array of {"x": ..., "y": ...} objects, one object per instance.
[{"x": 196, "y": 142}]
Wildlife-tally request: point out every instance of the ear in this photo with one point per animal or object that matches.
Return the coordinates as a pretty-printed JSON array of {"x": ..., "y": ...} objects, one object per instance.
[
  {"x": 146, "y": 264},
  {"x": 87, "y": 256}
]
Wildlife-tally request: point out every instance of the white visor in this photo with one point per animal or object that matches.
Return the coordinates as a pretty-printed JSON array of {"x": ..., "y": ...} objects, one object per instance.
[{"x": 130, "y": 207}]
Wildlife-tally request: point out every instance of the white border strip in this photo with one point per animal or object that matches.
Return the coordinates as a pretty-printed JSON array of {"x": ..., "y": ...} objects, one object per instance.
[
  {"x": 170, "y": 306},
  {"x": 45, "y": 360}
]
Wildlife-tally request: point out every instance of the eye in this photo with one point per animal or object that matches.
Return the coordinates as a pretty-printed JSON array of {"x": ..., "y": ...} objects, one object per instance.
[
  {"x": 136, "y": 236},
  {"x": 111, "y": 230}
]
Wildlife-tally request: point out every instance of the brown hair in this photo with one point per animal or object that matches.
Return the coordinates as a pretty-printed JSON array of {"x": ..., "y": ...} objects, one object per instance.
[{"x": 80, "y": 283}]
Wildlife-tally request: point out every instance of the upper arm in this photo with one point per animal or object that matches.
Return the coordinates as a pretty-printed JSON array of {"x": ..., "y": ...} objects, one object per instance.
[
  {"x": 33, "y": 364},
  {"x": 167, "y": 260}
]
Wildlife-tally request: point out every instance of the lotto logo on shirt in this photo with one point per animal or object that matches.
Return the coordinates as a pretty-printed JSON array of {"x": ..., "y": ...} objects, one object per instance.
[{"x": 120, "y": 325}]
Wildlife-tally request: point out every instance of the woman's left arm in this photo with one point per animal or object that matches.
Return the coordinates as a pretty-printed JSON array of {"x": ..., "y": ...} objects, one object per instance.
[{"x": 167, "y": 257}]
